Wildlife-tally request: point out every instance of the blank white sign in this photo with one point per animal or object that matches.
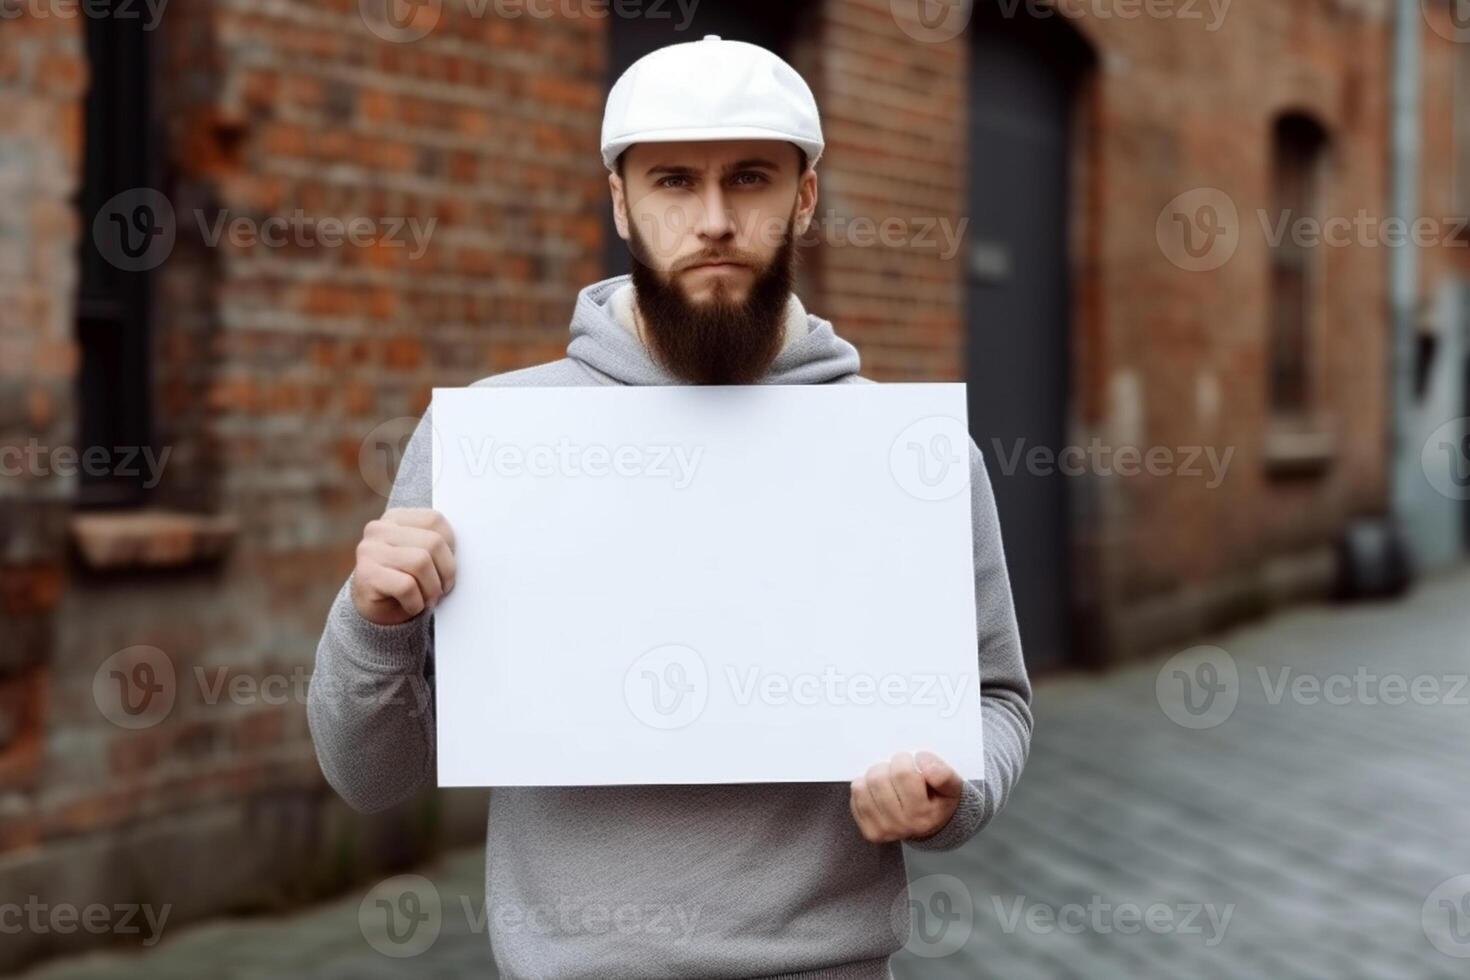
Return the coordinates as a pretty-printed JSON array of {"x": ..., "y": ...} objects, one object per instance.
[{"x": 685, "y": 584}]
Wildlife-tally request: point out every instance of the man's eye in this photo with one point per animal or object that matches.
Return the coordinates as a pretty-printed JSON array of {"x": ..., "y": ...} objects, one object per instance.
[
  {"x": 757, "y": 177},
  {"x": 664, "y": 181}
]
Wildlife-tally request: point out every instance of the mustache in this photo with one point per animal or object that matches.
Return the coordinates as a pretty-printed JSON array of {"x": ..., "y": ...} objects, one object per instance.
[{"x": 738, "y": 258}]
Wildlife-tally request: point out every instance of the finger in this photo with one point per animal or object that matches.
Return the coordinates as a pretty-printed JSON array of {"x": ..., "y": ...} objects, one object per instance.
[
  {"x": 940, "y": 775},
  {"x": 862, "y": 812},
  {"x": 384, "y": 582},
  {"x": 432, "y": 542},
  {"x": 908, "y": 783},
  {"x": 379, "y": 568},
  {"x": 418, "y": 563},
  {"x": 422, "y": 517},
  {"x": 885, "y": 798}
]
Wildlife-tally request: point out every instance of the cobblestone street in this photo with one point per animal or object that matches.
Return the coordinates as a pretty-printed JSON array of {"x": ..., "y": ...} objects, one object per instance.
[
  {"x": 1285, "y": 806},
  {"x": 1324, "y": 825}
]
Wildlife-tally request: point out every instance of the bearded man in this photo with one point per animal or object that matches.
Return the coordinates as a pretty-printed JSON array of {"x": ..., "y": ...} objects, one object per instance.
[{"x": 711, "y": 148}]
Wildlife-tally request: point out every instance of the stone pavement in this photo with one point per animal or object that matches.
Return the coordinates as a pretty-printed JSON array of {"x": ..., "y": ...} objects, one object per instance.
[
  {"x": 1291, "y": 802},
  {"x": 1321, "y": 811}
]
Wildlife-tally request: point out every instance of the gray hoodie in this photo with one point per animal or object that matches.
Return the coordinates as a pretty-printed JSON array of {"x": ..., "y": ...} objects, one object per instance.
[{"x": 711, "y": 881}]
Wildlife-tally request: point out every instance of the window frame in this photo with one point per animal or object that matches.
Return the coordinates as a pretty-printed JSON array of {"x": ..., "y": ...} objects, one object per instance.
[{"x": 1301, "y": 149}]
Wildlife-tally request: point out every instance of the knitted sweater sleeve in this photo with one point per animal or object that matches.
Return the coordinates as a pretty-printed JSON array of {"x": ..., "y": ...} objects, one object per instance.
[
  {"x": 1005, "y": 689},
  {"x": 370, "y": 701}
]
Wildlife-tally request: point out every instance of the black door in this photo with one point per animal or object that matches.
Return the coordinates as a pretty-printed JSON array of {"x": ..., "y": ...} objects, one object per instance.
[{"x": 1018, "y": 305}]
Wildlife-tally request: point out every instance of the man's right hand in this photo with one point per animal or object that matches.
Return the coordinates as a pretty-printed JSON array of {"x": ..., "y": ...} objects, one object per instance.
[{"x": 405, "y": 564}]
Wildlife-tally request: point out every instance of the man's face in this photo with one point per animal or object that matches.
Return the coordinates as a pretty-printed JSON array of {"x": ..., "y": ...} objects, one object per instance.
[
  {"x": 711, "y": 230},
  {"x": 709, "y": 216}
]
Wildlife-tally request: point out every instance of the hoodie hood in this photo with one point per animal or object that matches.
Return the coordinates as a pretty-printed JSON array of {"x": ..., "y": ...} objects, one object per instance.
[{"x": 604, "y": 345}]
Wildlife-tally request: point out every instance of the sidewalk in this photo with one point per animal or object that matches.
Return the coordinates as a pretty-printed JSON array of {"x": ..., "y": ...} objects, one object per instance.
[
  {"x": 1326, "y": 825},
  {"x": 1301, "y": 833}
]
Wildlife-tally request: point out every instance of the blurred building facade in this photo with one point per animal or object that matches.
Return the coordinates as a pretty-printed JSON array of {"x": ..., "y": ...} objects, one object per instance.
[{"x": 1111, "y": 182}]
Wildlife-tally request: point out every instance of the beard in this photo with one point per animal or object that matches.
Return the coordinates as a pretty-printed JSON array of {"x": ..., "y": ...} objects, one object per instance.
[{"x": 722, "y": 341}]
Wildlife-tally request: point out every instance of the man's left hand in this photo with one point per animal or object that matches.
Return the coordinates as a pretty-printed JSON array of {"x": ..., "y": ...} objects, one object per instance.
[{"x": 905, "y": 798}]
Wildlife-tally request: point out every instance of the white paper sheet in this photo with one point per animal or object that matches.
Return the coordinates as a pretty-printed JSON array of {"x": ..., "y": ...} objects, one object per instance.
[{"x": 690, "y": 584}]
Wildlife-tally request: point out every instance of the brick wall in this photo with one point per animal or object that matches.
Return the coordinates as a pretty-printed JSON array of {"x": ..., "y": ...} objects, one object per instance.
[
  {"x": 286, "y": 378},
  {"x": 1185, "y": 355},
  {"x": 42, "y": 73},
  {"x": 1445, "y": 161},
  {"x": 1162, "y": 356},
  {"x": 892, "y": 115}
]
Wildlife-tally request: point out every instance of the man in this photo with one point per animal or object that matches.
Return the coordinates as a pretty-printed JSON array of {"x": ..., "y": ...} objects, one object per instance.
[{"x": 711, "y": 147}]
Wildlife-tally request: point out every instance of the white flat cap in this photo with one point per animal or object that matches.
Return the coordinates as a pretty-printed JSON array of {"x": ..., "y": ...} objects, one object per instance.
[{"x": 711, "y": 89}]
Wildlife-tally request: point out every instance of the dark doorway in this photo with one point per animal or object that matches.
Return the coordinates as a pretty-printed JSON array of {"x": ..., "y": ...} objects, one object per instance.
[
  {"x": 772, "y": 25},
  {"x": 1024, "y": 79}
]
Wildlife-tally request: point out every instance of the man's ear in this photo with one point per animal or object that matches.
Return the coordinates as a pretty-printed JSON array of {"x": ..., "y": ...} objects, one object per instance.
[
  {"x": 619, "y": 204},
  {"x": 806, "y": 200}
]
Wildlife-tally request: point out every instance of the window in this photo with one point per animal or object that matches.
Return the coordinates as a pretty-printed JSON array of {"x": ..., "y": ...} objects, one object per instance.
[
  {"x": 1299, "y": 147},
  {"x": 113, "y": 300}
]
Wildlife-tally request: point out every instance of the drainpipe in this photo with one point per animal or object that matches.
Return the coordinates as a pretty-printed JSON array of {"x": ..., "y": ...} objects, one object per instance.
[
  {"x": 1403, "y": 264},
  {"x": 1375, "y": 557}
]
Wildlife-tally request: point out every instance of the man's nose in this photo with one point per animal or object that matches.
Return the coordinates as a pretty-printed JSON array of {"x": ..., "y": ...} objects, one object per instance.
[{"x": 715, "y": 220}]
